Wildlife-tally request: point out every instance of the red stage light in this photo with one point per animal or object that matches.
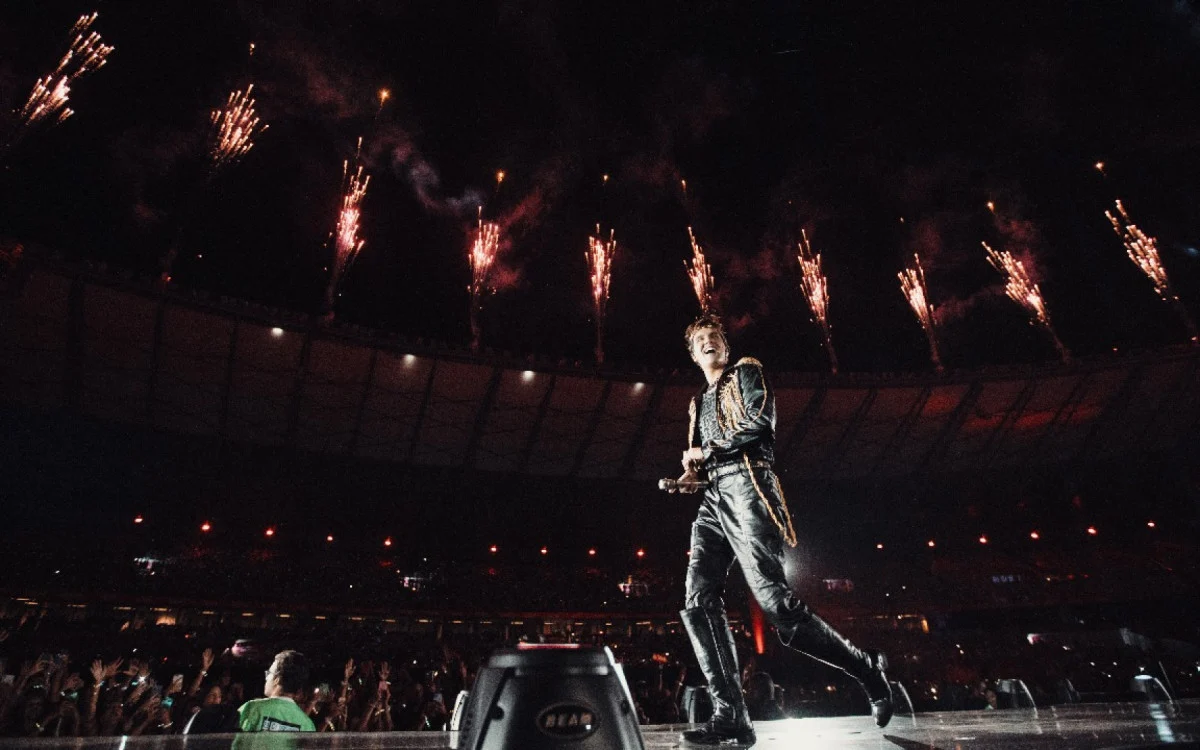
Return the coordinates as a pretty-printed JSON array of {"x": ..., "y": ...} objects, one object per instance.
[
  {"x": 1150, "y": 524},
  {"x": 493, "y": 549},
  {"x": 879, "y": 546},
  {"x": 387, "y": 542},
  {"x": 206, "y": 526},
  {"x": 757, "y": 627},
  {"x": 329, "y": 537},
  {"x": 138, "y": 518},
  {"x": 592, "y": 552},
  {"x": 641, "y": 553},
  {"x": 930, "y": 543},
  {"x": 1034, "y": 535},
  {"x": 270, "y": 531},
  {"x": 545, "y": 551},
  {"x": 1092, "y": 530}
]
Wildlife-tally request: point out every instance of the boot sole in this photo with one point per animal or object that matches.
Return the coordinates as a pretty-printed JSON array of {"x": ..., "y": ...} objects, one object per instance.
[{"x": 731, "y": 742}]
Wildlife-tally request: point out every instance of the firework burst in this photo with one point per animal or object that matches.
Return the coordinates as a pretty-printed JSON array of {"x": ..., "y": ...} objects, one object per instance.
[
  {"x": 1021, "y": 289},
  {"x": 347, "y": 240},
  {"x": 912, "y": 283},
  {"x": 51, "y": 93},
  {"x": 234, "y": 129},
  {"x": 484, "y": 247},
  {"x": 1142, "y": 249},
  {"x": 816, "y": 290},
  {"x": 700, "y": 274},
  {"x": 600, "y": 257}
]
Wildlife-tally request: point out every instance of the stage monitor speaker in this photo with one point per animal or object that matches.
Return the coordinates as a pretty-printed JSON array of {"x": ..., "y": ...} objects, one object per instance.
[{"x": 550, "y": 696}]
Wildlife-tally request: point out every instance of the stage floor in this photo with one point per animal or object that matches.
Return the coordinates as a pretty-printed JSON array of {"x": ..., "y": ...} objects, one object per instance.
[{"x": 1128, "y": 726}]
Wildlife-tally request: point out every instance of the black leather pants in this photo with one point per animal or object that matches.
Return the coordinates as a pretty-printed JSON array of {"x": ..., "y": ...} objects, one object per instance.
[
  {"x": 734, "y": 523},
  {"x": 737, "y": 521}
]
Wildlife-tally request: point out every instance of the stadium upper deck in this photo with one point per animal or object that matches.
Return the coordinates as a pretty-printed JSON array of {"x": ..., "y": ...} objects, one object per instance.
[{"x": 118, "y": 351}]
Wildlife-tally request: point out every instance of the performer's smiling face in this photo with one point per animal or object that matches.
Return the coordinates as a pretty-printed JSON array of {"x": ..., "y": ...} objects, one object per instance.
[{"x": 709, "y": 348}]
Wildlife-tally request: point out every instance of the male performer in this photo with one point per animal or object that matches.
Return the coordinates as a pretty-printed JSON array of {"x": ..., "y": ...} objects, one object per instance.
[{"x": 743, "y": 517}]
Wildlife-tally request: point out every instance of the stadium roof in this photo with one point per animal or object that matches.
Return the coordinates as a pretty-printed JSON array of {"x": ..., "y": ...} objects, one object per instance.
[{"x": 120, "y": 352}]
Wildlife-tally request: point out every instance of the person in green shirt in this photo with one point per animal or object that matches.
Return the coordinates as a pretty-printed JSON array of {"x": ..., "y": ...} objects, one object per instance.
[{"x": 278, "y": 711}]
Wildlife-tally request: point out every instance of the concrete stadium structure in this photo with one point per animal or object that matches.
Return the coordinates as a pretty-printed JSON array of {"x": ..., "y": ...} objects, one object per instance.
[{"x": 117, "y": 350}]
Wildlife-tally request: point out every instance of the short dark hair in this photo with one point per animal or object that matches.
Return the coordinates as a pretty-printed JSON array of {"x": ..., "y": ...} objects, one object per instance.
[
  {"x": 291, "y": 669},
  {"x": 707, "y": 320}
]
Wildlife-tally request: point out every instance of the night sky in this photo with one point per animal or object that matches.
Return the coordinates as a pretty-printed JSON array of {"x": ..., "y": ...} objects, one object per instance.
[{"x": 839, "y": 118}]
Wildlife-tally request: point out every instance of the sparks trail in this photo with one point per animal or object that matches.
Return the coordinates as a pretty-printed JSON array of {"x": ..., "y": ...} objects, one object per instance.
[
  {"x": 47, "y": 102},
  {"x": 600, "y": 257},
  {"x": 912, "y": 283},
  {"x": 346, "y": 237},
  {"x": 484, "y": 247},
  {"x": 815, "y": 286},
  {"x": 700, "y": 274},
  {"x": 234, "y": 129},
  {"x": 1022, "y": 290},
  {"x": 1142, "y": 249}
]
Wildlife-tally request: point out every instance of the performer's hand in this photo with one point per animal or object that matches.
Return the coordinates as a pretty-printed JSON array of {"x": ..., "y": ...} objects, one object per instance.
[
  {"x": 693, "y": 458},
  {"x": 687, "y": 482}
]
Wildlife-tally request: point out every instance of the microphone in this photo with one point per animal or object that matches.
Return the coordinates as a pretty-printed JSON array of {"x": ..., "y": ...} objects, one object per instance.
[{"x": 682, "y": 485}]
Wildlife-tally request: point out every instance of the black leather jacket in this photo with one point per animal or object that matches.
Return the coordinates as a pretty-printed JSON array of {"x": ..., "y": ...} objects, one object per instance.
[{"x": 745, "y": 415}]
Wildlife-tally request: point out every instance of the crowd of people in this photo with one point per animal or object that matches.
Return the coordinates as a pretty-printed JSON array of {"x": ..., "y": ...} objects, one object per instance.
[
  {"x": 57, "y": 694},
  {"x": 108, "y": 675}
]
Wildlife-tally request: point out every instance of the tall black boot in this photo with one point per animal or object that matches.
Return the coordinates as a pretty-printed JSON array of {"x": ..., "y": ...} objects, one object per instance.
[
  {"x": 717, "y": 654},
  {"x": 812, "y": 636}
]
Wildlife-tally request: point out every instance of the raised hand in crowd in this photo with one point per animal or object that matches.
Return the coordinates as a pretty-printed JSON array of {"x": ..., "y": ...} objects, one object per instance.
[
  {"x": 142, "y": 719},
  {"x": 206, "y": 662},
  {"x": 347, "y": 673},
  {"x": 336, "y": 720},
  {"x": 72, "y": 683},
  {"x": 28, "y": 670}
]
